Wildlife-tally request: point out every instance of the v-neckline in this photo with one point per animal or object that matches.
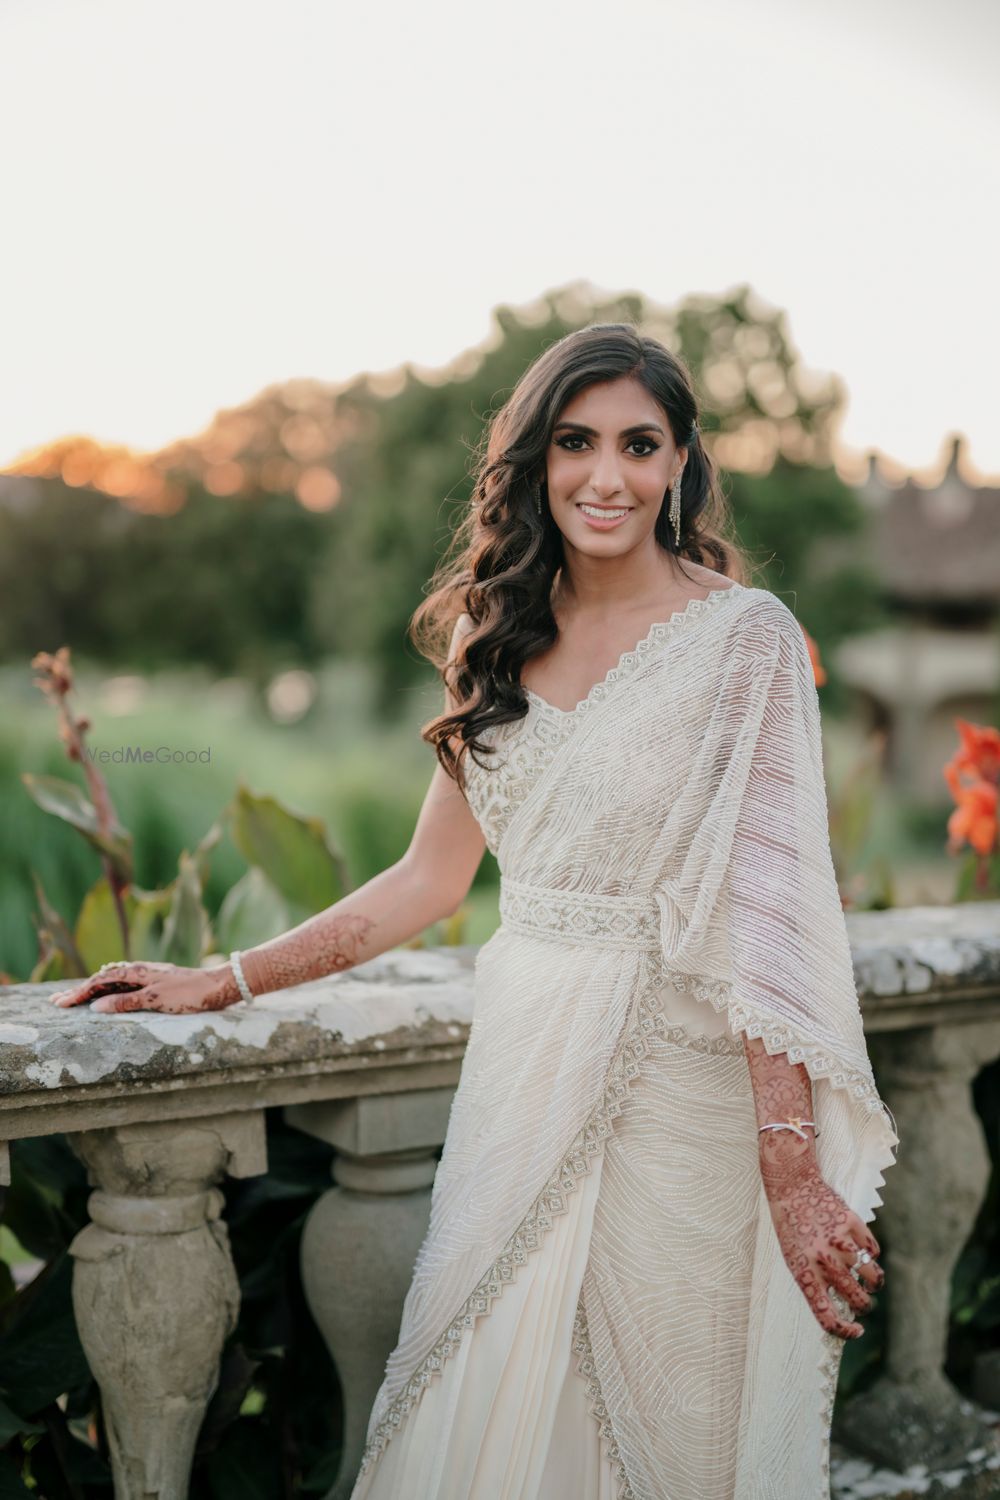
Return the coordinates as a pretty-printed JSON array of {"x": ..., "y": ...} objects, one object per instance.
[{"x": 628, "y": 659}]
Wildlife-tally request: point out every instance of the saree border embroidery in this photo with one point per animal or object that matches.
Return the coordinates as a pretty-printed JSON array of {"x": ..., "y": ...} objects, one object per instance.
[
  {"x": 645, "y": 1018},
  {"x": 528, "y": 744},
  {"x": 659, "y": 631},
  {"x": 586, "y": 1369}
]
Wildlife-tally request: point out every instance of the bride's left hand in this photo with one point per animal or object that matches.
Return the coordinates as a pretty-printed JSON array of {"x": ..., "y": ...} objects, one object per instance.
[{"x": 820, "y": 1236}]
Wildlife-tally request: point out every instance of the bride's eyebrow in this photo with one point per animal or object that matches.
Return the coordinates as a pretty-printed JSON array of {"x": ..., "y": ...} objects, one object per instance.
[{"x": 625, "y": 432}]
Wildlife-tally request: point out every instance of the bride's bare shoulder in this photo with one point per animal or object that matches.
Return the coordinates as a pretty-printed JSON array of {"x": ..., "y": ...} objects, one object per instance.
[{"x": 706, "y": 579}]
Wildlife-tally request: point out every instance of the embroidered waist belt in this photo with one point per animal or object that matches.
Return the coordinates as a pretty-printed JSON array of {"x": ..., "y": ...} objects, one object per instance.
[{"x": 612, "y": 921}]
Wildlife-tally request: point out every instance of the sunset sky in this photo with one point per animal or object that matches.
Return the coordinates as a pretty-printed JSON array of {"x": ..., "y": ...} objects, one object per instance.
[{"x": 206, "y": 197}]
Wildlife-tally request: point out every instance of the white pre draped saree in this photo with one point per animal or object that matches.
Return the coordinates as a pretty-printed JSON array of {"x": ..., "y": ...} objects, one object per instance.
[{"x": 600, "y": 1309}]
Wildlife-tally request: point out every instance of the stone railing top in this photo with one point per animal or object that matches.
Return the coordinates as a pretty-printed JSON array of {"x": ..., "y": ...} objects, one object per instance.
[
  {"x": 926, "y": 965},
  {"x": 412, "y": 1007},
  {"x": 406, "y": 1006}
]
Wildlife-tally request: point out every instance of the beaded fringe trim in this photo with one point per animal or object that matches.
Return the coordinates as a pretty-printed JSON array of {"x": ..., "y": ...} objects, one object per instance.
[
  {"x": 646, "y": 1018},
  {"x": 595, "y": 1401}
]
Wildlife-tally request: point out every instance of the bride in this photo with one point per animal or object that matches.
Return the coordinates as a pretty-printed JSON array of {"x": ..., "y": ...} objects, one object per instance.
[{"x": 648, "y": 1234}]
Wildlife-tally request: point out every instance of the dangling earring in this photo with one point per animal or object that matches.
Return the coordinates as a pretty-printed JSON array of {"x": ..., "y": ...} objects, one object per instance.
[
  {"x": 538, "y": 498},
  {"x": 675, "y": 509}
]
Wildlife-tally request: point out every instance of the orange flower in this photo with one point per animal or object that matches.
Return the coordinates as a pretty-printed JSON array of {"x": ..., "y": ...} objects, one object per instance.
[
  {"x": 977, "y": 758},
  {"x": 974, "y": 820},
  {"x": 819, "y": 674}
]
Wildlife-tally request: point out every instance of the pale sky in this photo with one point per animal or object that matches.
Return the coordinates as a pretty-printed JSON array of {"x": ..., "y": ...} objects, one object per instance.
[{"x": 204, "y": 197}]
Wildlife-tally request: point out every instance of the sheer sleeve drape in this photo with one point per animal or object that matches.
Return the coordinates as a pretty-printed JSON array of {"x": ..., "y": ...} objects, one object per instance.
[{"x": 748, "y": 899}]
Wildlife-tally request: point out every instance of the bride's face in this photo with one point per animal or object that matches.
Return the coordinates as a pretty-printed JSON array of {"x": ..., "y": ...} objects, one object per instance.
[{"x": 611, "y": 451}]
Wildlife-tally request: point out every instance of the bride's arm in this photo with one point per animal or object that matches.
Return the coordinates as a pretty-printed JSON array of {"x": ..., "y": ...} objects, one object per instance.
[{"x": 428, "y": 882}]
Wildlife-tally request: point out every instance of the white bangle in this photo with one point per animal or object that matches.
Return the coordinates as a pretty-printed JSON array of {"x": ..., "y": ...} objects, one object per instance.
[
  {"x": 237, "y": 968},
  {"x": 795, "y": 1123}
]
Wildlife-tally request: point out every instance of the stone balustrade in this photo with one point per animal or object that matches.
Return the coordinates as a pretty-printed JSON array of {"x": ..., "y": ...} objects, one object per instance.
[{"x": 159, "y": 1108}]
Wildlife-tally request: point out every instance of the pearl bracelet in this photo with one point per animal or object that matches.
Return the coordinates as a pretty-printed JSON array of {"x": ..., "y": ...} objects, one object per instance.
[
  {"x": 795, "y": 1123},
  {"x": 237, "y": 968}
]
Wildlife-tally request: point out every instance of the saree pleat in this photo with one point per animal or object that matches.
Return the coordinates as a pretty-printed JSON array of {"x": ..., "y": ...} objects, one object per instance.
[
  {"x": 666, "y": 886},
  {"x": 508, "y": 1416}
]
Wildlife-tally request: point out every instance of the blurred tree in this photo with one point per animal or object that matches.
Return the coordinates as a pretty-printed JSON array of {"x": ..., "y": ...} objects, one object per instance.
[
  {"x": 310, "y": 520},
  {"x": 222, "y": 581}
]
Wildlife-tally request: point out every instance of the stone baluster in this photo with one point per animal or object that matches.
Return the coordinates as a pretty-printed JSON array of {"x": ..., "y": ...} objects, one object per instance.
[
  {"x": 362, "y": 1236},
  {"x": 154, "y": 1288},
  {"x": 913, "y": 1413}
]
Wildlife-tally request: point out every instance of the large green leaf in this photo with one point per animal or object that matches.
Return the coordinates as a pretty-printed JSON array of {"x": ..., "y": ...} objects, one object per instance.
[
  {"x": 186, "y": 932},
  {"x": 321, "y": 1476},
  {"x": 33, "y": 1216},
  {"x": 41, "y": 1356},
  {"x": 62, "y": 1462},
  {"x": 98, "y": 934},
  {"x": 292, "y": 851},
  {"x": 252, "y": 911},
  {"x": 11, "y": 1424},
  {"x": 63, "y": 799}
]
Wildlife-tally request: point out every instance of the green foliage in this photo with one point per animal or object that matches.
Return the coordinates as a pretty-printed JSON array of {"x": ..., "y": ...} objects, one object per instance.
[
  {"x": 294, "y": 872},
  {"x": 41, "y": 1359},
  {"x": 806, "y": 532},
  {"x": 292, "y": 852},
  {"x": 222, "y": 581},
  {"x": 67, "y": 801}
]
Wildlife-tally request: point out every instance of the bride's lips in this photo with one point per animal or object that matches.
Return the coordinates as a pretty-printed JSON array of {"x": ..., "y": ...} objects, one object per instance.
[{"x": 605, "y": 524}]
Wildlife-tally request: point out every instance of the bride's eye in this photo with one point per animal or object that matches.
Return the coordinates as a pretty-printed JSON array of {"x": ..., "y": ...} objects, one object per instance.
[{"x": 577, "y": 437}]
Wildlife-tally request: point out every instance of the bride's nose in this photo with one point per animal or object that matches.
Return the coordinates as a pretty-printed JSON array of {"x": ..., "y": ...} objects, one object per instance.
[{"x": 606, "y": 476}]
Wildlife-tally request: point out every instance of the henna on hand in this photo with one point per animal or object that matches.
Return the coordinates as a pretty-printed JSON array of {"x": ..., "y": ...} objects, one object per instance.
[
  {"x": 782, "y": 1090},
  {"x": 818, "y": 1233},
  {"x": 327, "y": 943},
  {"x": 815, "y": 1231},
  {"x": 169, "y": 988},
  {"x": 224, "y": 989}
]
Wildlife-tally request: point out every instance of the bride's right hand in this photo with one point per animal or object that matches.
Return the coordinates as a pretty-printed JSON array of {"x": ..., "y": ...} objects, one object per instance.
[{"x": 153, "y": 986}]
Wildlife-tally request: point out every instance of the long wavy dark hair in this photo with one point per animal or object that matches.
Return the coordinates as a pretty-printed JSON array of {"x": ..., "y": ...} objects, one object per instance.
[{"x": 500, "y": 569}]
